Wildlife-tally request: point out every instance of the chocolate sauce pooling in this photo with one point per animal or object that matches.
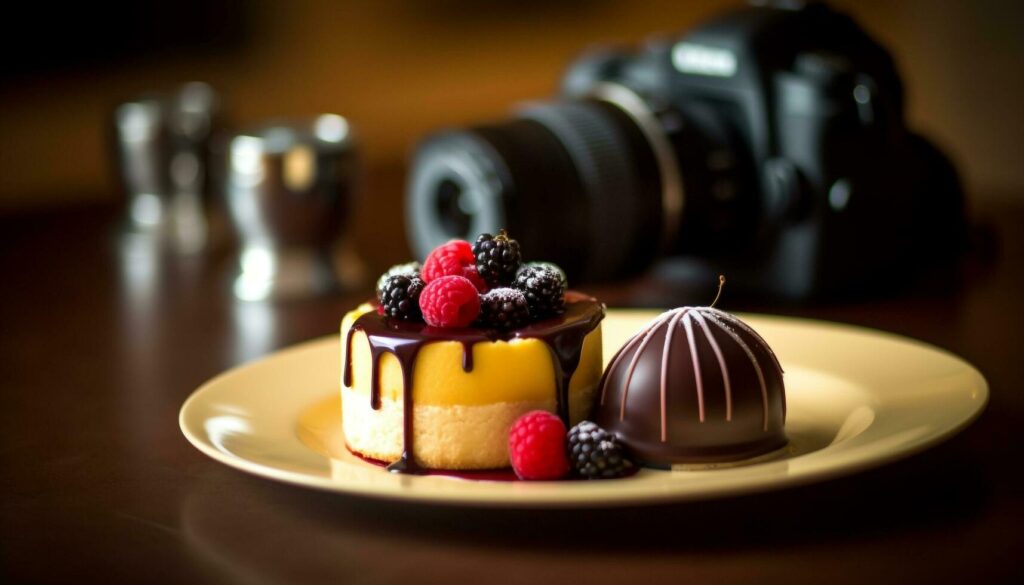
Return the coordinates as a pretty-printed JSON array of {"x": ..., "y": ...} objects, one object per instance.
[{"x": 563, "y": 335}]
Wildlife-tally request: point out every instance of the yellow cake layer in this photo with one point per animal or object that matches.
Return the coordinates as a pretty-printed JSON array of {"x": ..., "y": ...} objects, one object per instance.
[
  {"x": 445, "y": 437},
  {"x": 518, "y": 370}
]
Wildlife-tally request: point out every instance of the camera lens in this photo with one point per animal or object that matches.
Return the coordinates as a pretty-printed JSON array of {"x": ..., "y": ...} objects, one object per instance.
[
  {"x": 453, "y": 209},
  {"x": 595, "y": 184},
  {"x": 576, "y": 182}
]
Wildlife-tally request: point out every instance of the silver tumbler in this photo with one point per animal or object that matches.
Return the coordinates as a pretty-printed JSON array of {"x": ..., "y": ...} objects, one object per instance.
[
  {"x": 290, "y": 190},
  {"x": 162, "y": 142}
]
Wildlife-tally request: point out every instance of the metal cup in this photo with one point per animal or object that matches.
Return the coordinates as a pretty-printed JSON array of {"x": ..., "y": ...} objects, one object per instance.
[
  {"x": 290, "y": 189},
  {"x": 162, "y": 151}
]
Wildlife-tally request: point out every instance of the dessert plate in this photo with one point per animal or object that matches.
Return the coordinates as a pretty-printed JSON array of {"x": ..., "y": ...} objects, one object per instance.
[{"x": 857, "y": 398}]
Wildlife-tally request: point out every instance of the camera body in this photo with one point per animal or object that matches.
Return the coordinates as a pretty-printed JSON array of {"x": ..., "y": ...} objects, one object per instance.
[{"x": 769, "y": 145}]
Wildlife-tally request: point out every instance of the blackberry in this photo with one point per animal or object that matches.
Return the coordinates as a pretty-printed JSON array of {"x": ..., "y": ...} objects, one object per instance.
[
  {"x": 503, "y": 308},
  {"x": 544, "y": 290},
  {"x": 550, "y": 266},
  {"x": 595, "y": 453},
  {"x": 497, "y": 258},
  {"x": 400, "y": 296},
  {"x": 408, "y": 269}
]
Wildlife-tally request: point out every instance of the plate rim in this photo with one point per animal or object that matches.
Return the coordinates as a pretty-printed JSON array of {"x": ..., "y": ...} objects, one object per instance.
[{"x": 656, "y": 497}]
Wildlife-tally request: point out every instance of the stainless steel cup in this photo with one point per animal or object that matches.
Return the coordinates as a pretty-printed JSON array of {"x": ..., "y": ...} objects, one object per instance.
[
  {"x": 290, "y": 190},
  {"x": 162, "y": 145}
]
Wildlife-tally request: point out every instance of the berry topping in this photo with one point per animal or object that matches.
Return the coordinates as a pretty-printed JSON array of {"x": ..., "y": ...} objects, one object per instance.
[
  {"x": 449, "y": 259},
  {"x": 497, "y": 258},
  {"x": 550, "y": 266},
  {"x": 400, "y": 296},
  {"x": 544, "y": 290},
  {"x": 450, "y": 301},
  {"x": 536, "y": 446},
  {"x": 474, "y": 277},
  {"x": 503, "y": 308},
  {"x": 408, "y": 269},
  {"x": 595, "y": 453}
]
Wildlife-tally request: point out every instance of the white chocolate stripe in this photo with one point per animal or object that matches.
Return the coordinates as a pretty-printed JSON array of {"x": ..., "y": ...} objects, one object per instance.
[
  {"x": 687, "y": 325},
  {"x": 664, "y": 375},
  {"x": 615, "y": 362},
  {"x": 721, "y": 363},
  {"x": 625, "y": 348},
  {"x": 648, "y": 334},
  {"x": 753, "y": 360},
  {"x": 734, "y": 319}
]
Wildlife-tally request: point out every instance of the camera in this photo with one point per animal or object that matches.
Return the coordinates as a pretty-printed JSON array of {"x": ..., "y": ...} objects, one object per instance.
[{"x": 768, "y": 144}]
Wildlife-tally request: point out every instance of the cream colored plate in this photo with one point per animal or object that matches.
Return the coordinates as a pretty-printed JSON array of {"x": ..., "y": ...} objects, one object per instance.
[{"x": 857, "y": 398}]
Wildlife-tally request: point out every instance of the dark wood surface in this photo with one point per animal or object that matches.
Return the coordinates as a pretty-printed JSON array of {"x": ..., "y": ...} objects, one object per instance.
[{"x": 100, "y": 346}]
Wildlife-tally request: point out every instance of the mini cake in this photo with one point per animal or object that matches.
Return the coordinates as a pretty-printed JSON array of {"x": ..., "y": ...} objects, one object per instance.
[
  {"x": 437, "y": 371},
  {"x": 696, "y": 385}
]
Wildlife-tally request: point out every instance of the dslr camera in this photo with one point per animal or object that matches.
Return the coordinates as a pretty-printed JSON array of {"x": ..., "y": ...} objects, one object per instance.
[{"x": 769, "y": 145}]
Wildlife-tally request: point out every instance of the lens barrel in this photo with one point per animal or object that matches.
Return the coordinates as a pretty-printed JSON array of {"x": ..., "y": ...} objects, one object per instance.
[{"x": 576, "y": 182}]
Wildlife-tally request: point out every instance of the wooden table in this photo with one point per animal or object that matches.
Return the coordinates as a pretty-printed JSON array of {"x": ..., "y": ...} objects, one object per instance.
[{"x": 100, "y": 345}]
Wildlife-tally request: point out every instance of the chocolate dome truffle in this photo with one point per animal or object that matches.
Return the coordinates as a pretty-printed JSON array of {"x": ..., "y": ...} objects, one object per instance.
[{"x": 696, "y": 385}]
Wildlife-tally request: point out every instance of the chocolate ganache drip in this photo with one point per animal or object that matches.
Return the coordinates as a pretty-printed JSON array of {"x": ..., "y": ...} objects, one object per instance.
[
  {"x": 695, "y": 385},
  {"x": 563, "y": 335}
]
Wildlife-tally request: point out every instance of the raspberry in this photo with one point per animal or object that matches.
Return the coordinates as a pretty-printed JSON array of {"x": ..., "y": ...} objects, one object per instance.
[
  {"x": 400, "y": 296},
  {"x": 503, "y": 308},
  {"x": 450, "y": 301},
  {"x": 408, "y": 269},
  {"x": 544, "y": 290},
  {"x": 474, "y": 277},
  {"x": 595, "y": 453},
  {"x": 536, "y": 446},
  {"x": 448, "y": 260},
  {"x": 497, "y": 258}
]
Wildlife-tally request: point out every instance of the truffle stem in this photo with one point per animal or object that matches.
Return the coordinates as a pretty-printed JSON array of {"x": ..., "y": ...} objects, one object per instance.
[{"x": 721, "y": 283}]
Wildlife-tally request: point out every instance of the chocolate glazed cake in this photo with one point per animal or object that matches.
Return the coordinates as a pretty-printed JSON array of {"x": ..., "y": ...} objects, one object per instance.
[
  {"x": 697, "y": 385},
  {"x": 563, "y": 336}
]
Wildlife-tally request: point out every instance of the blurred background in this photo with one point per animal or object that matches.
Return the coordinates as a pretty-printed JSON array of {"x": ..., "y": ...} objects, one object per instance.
[
  {"x": 105, "y": 333},
  {"x": 400, "y": 69}
]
